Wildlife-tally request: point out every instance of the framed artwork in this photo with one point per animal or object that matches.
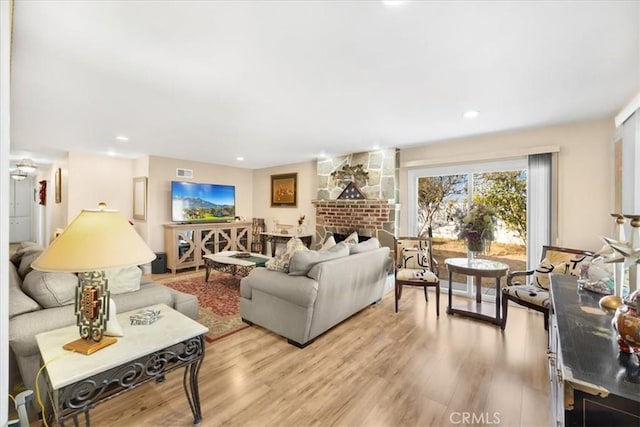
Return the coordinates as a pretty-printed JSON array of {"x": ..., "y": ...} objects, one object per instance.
[
  {"x": 140, "y": 198},
  {"x": 284, "y": 190},
  {"x": 58, "y": 185}
]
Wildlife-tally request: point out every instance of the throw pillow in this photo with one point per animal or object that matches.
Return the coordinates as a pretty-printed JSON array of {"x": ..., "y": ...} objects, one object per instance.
[
  {"x": 541, "y": 273},
  {"x": 19, "y": 302},
  {"x": 51, "y": 289},
  {"x": 113, "y": 325},
  {"x": 352, "y": 238},
  {"x": 302, "y": 261},
  {"x": 365, "y": 246},
  {"x": 122, "y": 280},
  {"x": 575, "y": 263},
  {"x": 329, "y": 243},
  {"x": 281, "y": 261},
  {"x": 25, "y": 263},
  {"x": 25, "y": 248}
]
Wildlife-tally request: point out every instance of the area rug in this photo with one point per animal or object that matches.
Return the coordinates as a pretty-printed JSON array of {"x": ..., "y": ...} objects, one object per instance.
[{"x": 219, "y": 300}]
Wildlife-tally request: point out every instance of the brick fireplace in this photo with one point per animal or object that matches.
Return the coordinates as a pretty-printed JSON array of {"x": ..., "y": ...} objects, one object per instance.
[{"x": 374, "y": 216}]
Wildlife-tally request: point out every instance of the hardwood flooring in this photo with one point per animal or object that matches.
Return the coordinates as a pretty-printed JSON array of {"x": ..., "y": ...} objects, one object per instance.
[{"x": 377, "y": 368}]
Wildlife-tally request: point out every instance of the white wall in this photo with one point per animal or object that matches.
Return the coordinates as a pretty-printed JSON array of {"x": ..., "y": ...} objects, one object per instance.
[
  {"x": 584, "y": 173},
  {"x": 307, "y": 189},
  {"x": 91, "y": 179},
  {"x": 163, "y": 170},
  {"x": 5, "y": 42}
]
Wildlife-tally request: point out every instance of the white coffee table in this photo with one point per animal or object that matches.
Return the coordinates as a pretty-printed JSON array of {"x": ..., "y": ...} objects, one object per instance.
[
  {"x": 76, "y": 383},
  {"x": 228, "y": 262}
]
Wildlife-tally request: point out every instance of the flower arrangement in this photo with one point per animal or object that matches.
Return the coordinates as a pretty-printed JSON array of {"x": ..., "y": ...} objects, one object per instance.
[{"x": 477, "y": 226}]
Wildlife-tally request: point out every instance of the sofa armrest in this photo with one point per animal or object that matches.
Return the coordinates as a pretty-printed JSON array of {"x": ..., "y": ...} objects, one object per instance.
[{"x": 299, "y": 290}]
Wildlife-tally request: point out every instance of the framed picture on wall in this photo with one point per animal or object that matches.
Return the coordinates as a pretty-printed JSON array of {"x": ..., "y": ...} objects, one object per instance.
[
  {"x": 140, "y": 198},
  {"x": 284, "y": 190}
]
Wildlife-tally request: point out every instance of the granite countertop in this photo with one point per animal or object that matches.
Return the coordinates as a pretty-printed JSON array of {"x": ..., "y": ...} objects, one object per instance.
[{"x": 591, "y": 358}]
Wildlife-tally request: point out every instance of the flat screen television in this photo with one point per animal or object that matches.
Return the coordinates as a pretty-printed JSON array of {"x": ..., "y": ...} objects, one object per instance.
[{"x": 202, "y": 202}]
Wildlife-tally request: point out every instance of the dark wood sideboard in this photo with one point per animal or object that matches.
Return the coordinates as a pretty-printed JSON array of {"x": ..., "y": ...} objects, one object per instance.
[{"x": 592, "y": 382}]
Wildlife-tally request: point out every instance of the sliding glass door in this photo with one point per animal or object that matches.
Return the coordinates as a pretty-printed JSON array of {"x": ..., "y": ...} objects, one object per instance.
[{"x": 440, "y": 197}]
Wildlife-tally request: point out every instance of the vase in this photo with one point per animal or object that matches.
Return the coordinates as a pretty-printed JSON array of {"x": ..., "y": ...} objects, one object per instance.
[
  {"x": 472, "y": 255},
  {"x": 475, "y": 243}
]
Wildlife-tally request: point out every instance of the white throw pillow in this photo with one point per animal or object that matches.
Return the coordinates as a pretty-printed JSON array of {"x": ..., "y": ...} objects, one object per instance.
[
  {"x": 122, "y": 280},
  {"x": 281, "y": 261},
  {"x": 302, "y": 261},
  {"x": 113, "y": 325},
  {"x": 329, "y": 243},
  {"x": 366, "y": 246}
]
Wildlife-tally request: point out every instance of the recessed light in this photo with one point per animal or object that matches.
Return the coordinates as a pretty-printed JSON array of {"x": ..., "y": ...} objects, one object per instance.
[
  {"x": 239, "y": 158},
  {"x": 393, "y": 3},
  {"x": 122, "y": 138},
  {"x": 471, "y": 114}
]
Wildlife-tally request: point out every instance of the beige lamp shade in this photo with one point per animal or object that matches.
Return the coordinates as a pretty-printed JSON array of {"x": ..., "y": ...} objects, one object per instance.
[{"x": 95, "y": 240}]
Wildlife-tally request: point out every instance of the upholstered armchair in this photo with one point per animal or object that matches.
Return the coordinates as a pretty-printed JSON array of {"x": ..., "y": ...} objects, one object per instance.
[
  {"x": 531, "y": 288},
  {"x": 415, "y": 266}
]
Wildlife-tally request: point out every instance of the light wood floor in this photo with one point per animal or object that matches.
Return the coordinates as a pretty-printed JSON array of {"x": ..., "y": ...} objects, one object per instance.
[{"x": 378, "y": 368}]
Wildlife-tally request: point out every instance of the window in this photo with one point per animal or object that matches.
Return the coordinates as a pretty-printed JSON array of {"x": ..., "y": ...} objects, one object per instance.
[{"x": 440, "y": 196}]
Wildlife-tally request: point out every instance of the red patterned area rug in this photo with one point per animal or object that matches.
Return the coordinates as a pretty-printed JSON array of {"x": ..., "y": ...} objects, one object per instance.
[{"x": 219, "y": 300}]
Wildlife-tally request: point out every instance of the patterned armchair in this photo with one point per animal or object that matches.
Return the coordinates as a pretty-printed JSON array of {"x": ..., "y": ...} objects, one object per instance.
[
  {"x": 535, "y": 294},
  {"x": 415, "y": 266}
]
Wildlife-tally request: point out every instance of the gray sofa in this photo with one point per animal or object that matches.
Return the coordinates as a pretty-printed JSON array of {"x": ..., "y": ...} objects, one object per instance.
[
  {"x": 40, "y": 302},
  {"x": 301, "y": 307}
]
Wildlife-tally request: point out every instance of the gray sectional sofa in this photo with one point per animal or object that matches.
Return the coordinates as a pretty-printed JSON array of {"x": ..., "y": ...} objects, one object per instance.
[
  {"x": 40, "y": 302},
  {"x": 317, "y": 293}
]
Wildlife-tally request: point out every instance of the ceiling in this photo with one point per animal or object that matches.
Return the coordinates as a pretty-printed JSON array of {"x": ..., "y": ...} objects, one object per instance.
[{"x": 280, "y": 82}]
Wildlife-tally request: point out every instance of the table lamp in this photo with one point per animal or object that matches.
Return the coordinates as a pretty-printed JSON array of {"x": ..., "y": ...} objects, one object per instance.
[{"x": 94, "y": 241}]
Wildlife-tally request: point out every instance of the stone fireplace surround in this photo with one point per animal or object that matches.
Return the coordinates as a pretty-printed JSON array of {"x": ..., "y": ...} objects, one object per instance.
[{"x": 375, "y": 216}]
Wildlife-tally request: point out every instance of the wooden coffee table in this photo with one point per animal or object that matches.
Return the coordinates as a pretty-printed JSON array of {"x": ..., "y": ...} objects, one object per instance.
[{"x": 229, "y": 262}]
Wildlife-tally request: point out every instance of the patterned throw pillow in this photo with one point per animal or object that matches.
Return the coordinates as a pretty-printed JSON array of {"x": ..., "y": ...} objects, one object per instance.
[
  {"x": 413, "y": 254},
  {"x": 541, "y": 274},
  {"x": 352, "y": 238},
  {"x": 281, "y": 261}
]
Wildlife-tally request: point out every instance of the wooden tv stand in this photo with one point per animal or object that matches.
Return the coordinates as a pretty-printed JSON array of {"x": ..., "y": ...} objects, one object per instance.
[{"x": 187, "y": 244}]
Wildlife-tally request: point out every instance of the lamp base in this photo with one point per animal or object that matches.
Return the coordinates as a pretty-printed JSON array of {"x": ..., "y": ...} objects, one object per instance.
[{"x": 88, "y": 347}]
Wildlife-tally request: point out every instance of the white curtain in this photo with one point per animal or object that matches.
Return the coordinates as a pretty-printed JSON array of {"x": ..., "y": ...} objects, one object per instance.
[{"x": 540, "y": 205}]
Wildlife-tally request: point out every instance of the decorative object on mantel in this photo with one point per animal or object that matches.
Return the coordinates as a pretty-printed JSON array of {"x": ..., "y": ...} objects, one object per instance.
[
  {"x": 354, "y": 173},
  {"x": 352, "y": 192},
  {"x": 627, "y": 324},
  {"x": 477, "y": 227}
]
